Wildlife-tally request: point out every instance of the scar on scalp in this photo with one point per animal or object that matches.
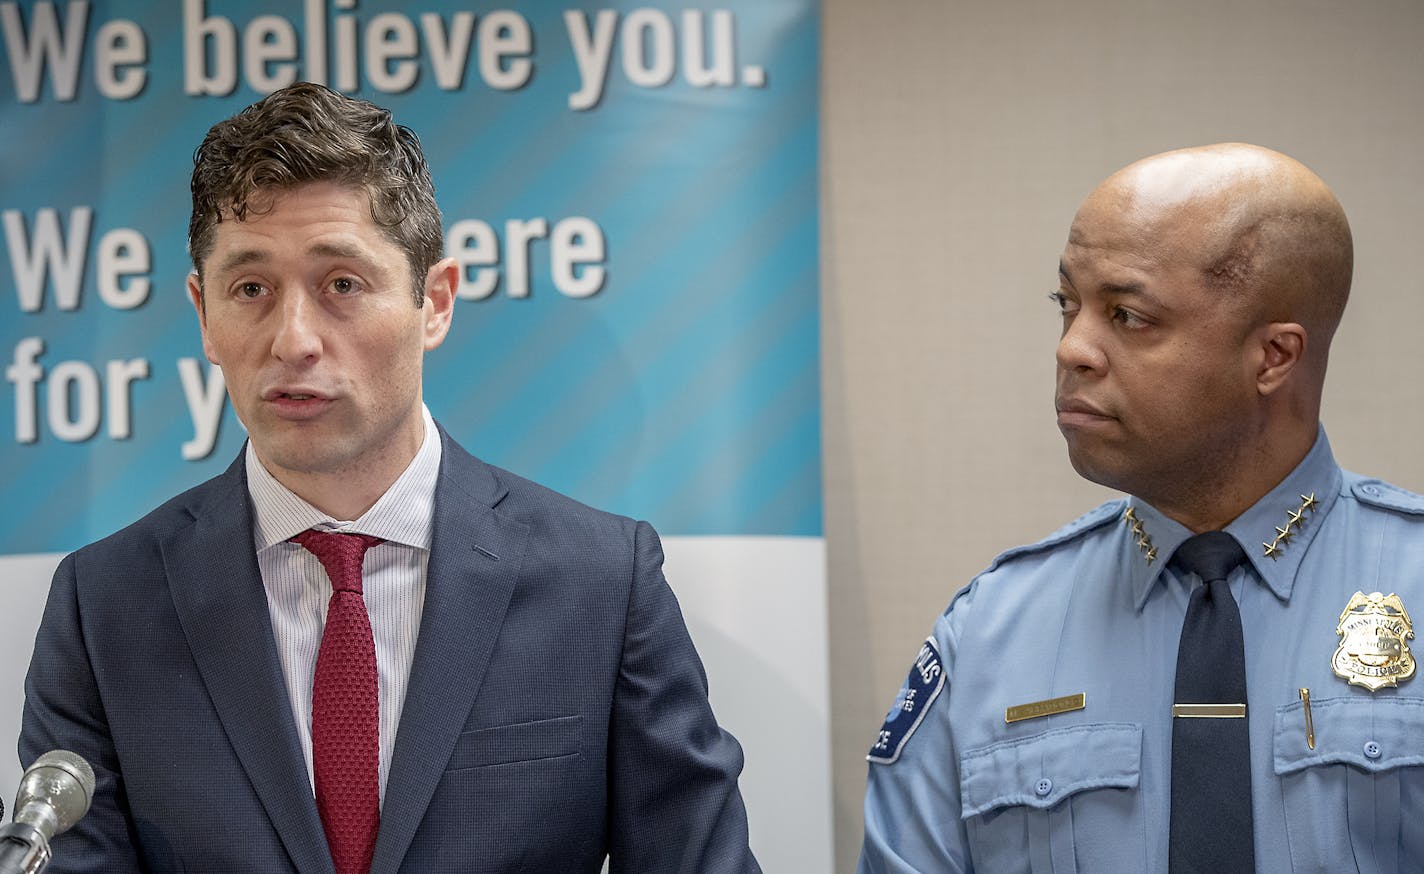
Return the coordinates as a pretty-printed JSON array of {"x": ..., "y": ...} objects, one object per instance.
[{"x": 1235, "y": 268}]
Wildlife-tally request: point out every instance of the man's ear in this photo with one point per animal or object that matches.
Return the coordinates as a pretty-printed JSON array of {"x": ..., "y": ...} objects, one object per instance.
[
  {"x": 195, "y": 292},
  {"x": 441, "y": 281},
  {"x": 1282, "y": 350}
]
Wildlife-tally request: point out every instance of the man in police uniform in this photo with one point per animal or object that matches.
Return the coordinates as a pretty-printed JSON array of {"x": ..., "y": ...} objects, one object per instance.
[{"x": 1036, "y": 732}]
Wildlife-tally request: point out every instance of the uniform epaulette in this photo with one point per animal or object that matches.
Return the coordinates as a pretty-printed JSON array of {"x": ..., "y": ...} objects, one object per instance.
[
  {"x": 1378, "y": 493},
  {"x": 1095, "y": 518}
]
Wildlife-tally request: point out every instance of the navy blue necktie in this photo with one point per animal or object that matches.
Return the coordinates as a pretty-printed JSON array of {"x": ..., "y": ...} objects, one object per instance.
[{"x": 1211, "y": 828}]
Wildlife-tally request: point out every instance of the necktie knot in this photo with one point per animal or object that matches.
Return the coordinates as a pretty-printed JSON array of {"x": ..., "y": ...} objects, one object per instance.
[
  {"x": 1212, "y": 555},
  {"x": 341, "y": 555}
]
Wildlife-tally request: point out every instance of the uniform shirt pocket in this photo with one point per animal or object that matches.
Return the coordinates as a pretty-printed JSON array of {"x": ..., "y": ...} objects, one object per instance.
[
  {"x": 1055, "y": 800},
  {"x": 519, "y": 742},
  {"x": 1356, "y": 801}
]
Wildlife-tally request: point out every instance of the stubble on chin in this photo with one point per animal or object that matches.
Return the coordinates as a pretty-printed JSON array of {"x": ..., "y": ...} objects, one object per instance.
[{"x": 1099, "y": 465}]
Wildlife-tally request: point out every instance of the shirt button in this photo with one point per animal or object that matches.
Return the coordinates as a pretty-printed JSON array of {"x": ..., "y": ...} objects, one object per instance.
[
  {"x": 1372, "y": 750},
  {"x": 1045, "y": 785}
]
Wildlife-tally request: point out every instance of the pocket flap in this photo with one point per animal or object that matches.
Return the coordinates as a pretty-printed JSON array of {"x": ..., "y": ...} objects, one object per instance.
[
  {"x": 1375, "y": 734},
  {"x": 520, "y": 742},
  {"x": 1043, "y": 769}
]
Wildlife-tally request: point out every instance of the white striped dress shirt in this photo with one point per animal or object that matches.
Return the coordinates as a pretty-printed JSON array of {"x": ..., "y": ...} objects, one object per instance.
[{"x": 393, "y": 581}]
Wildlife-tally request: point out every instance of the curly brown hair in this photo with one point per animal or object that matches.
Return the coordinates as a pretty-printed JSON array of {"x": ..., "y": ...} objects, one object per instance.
[{"x": 309, "y": 133}]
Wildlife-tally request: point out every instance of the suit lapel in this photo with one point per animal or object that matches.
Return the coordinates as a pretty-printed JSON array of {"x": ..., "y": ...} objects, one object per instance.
[
  {"x": 475, "y": 558},
  {"x": 222, "y": 606}
]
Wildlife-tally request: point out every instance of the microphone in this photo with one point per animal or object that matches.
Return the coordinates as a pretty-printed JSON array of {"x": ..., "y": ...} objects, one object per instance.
[{"x": 54, "y": 793}]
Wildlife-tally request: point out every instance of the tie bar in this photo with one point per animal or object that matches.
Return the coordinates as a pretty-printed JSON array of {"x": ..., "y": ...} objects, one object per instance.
[{"x": 1209, "y": 711}]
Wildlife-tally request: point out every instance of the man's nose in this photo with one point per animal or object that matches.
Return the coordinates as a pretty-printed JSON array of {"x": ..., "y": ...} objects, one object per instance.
[
  {"x": 298, "y": 337},
  {"x": 1080, "y": 348}
]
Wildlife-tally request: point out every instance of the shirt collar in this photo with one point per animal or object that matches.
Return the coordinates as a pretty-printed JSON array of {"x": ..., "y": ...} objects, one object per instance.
[
  {"x": 1275, "y": 532},
  {"x": 404, "y": 514}
]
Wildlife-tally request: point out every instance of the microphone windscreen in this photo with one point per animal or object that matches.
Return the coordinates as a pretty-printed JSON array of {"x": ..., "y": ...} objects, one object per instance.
[{"x": 63, "y": 782}]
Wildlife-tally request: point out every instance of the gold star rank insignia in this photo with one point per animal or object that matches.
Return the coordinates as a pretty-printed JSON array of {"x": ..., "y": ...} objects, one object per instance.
[
  {"x": 1295, "y": 522},
  {"x": 1374, "y": 634},
  {"x": 1139, "y": 534}
]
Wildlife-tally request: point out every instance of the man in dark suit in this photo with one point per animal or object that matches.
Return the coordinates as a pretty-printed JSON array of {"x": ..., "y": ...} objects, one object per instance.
[{"x": 360, "y": 648}]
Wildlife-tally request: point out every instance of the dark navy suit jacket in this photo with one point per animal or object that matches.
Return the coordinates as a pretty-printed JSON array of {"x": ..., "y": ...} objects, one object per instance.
[{"x": 556, "y": 711}]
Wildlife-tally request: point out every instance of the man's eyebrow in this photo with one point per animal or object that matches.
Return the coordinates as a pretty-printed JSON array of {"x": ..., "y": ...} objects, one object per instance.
[
  {"x": 1116, "y": 288},
  {"x": 241, "y": 259},
  {"x": 244, "y": 257},
  {"x": 1135, "y": 288}
]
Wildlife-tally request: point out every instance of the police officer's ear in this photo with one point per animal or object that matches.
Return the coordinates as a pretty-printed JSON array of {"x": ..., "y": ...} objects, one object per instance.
[{"x": 1281, "y": 350}]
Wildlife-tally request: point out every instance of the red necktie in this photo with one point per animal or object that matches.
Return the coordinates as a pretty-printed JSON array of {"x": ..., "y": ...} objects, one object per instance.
[{"x": 346, "y": 746}]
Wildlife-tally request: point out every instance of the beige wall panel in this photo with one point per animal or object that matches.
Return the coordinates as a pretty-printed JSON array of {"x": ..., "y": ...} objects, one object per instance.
[{"x": 958, "y": 140}]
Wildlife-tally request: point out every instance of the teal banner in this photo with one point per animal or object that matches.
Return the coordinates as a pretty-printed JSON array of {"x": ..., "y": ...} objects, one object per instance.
[{"x": 631, "y": 190}]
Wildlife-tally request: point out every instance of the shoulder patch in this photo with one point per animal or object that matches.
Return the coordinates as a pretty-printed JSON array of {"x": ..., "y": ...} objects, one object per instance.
[
  {"x": 1095, "y": 518},
  {"x": 922, "y": 687},
  {"x": 1381, "y": 494}
]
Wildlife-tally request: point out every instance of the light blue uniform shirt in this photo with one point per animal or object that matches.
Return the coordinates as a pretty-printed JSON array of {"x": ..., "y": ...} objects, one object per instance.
[{"x": 953, "y": 787}]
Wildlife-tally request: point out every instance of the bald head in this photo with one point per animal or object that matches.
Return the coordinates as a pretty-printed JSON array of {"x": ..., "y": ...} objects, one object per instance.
[
  {"x": 1260, "y": 226},
  {"x": 1200, "y": 290}
]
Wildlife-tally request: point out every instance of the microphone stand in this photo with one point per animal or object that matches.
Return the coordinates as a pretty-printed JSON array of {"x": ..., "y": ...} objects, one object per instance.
[{"x": 23, "y": 849}]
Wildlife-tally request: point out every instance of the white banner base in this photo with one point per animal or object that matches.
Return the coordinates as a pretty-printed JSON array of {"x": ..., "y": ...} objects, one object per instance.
[{"x": 756, "y": 607}]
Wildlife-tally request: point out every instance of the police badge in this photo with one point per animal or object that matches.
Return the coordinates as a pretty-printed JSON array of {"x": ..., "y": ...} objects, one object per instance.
[{"x": 1374, "y": 634}]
